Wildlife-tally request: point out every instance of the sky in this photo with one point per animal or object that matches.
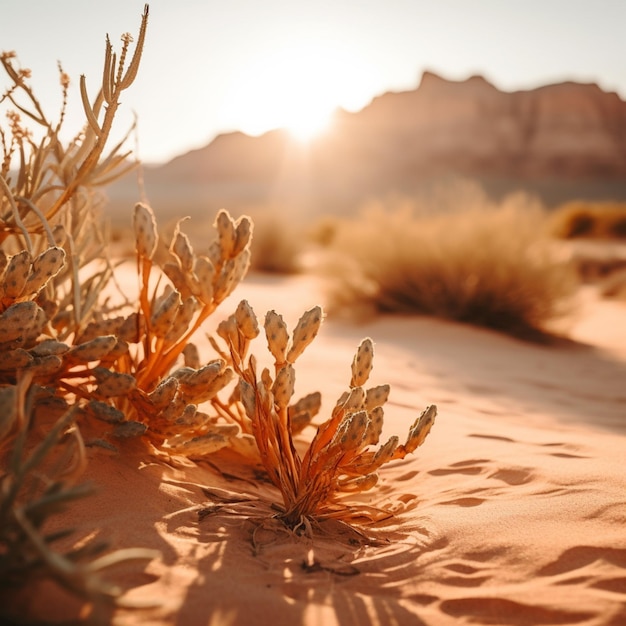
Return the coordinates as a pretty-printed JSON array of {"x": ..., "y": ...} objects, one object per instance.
[{"x": 252, "y": 65}]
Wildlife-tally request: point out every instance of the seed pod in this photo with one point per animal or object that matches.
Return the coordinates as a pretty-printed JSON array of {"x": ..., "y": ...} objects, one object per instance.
[
  {"x": 218, "y": 383},
  {"x": 205, "y": 375},
  {"x": 205, "y": 444},
  {"x": 165, "y": 313},
  {"x": 299, "y": 421},
  {"x": 119, "y": 349},
  {"x": 180, "y": 279},
  {"x": 16, "y": 274},
  {"x": 109, "y": 326},
  {"x": 164, "y": 393},
  {"x": 113, "y": 384},
  {"x": 49, "y": 346},
  {"x": 132, "y": 328},
  {"x": 49, "y": 307},
  {"x": 93, "y": 350},
  {"x": 228, "y": 331},
  {"x": 420, "y": 429},
  {"x": 7, "y": 346},
  {"x": 355, "y": 400},
  {"x": 183, "y": 374},
  {"x": 284, "y": 385},
  {"x": 362, "y": 363},
  {"x": 204, "y": 272},
  {"x": 105, "y": 412},
  {"x": 266, "y": 379},
  {"x": 240, "y": 269},
  {"x": 191, "y": 356},
  {"x": 146, "y": 236},
  {"x": 175, "y": 407},
  {"x": 277, "y": 335},
  {"x": 182, "y": 322},
  {"x": 376, "y": 396},
  {"x": 181, "y": 248},
  {"x": 45, "y": 365},
  {"x": 385, "y": 453},
  {"x": 214, "y": 253},
  {"x": 350, "y": 431},
  {"x": 310, "y": 404},
  {"x": 246, "y": 320},
  {"x": 226, "y": 233},
  {"x": 193, "y": 420},
  {"x": 304, "y": 333},
  {"x": 360, "y": 483},
  {"x": 48, "y": 264},
  {"x": 32, "y": 332},
  {"x": 374, "y": 426},
  {"x": 225, "y": 282},
  {"x": 17, "y": 320},
  {"x": 243, "y": 234},
  {"x": 188, "y": 417},
  {"x": 14, "y": 359},
  {"x": 129, "y": 429},
  {"x": 247, "y": 397}
]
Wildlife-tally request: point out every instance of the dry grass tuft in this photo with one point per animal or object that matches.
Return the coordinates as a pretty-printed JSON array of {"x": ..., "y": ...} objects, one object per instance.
[
  {"x": 489, "y": 267},
  {"x": 342, "y": 458}
]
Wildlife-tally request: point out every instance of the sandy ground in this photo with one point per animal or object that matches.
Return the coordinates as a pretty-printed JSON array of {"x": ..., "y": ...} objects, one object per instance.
[{"x": 513, "y": 512}]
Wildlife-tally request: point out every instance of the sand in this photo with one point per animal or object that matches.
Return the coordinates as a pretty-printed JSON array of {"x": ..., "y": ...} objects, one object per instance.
[{"x": 513, "y": 512}]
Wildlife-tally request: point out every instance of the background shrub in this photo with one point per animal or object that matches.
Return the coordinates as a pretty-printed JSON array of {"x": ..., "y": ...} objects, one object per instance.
[{"x": 489, "y": 267}]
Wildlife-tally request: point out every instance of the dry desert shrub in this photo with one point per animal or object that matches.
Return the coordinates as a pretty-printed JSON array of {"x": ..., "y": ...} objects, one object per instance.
[
  {"x": 488, "y": 267},
  {"x": 84, "y": 364},
  {"x": 278, "y": 244},
  {"x": 48, "y": 238},
  {"x": 343, "y": 457}
]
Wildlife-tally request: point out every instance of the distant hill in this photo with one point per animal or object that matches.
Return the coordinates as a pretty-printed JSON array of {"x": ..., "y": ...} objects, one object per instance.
[{"x": 552, "y": 140}]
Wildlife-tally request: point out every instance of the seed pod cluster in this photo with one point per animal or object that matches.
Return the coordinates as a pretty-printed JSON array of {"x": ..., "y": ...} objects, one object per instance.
[
  {"x": 345, "y": 441},
  {"x": 210, "y": 277},
  {"x": 23, "y": 276},
  {"x": 171, "y": 409}
]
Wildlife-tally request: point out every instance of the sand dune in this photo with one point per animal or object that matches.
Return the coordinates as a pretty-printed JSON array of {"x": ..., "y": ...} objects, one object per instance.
[{"x": 512, "y": 513}]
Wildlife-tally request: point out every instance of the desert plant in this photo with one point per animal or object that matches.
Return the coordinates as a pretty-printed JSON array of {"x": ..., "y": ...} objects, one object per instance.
[
  {"x": 73, "y": 347},
  {"x": 48, "y": 237},
  {"x": 340, "y": 459},
  {"x": 491, "y": 268}
]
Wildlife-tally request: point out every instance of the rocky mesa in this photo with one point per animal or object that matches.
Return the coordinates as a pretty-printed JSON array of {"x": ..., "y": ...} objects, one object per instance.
[
  {"x": 567, "y": 136},
  {"x": 470, "y": 127}
]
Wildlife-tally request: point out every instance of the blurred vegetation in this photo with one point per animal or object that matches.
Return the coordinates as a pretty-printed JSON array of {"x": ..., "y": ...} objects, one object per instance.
[
  {"x": 589, "y": 220},
  {"x": 277, "y": 243},
  {"x": 492, "y": 267}
]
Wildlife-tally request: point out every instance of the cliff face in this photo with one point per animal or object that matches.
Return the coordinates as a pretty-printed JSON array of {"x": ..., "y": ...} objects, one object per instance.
[
  {"x": 556, "y": 132},
  {"x": 470, "y": 127}
]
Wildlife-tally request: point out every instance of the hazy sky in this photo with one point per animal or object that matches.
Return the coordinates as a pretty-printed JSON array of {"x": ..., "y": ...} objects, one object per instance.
[{"x": 211, "y": 66}]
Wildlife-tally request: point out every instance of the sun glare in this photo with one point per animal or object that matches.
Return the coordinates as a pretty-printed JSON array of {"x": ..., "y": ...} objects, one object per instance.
[
  {"x": 307, "y": 118},
  {"x": 295, "y": 88}
]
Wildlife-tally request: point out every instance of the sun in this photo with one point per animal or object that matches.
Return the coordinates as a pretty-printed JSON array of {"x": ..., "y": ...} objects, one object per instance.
[
  {"x": 297, "y": 88},
  {"x": 305, "y": 114}
]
